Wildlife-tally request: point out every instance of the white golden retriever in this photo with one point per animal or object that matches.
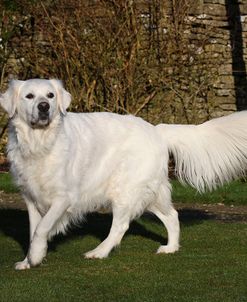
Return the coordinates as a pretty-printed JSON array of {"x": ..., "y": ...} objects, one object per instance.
[{"x": 70, "y": 164}]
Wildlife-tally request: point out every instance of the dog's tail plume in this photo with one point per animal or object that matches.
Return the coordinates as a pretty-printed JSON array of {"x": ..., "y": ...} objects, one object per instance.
[{"x": 209, "y": 154}]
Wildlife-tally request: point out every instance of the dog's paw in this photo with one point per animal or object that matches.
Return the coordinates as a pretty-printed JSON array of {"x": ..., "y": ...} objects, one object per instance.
[
  {"x": 96, "y": 254},
  {"x": 167, "y": 249},
  {"x": 22, "y": 265}
]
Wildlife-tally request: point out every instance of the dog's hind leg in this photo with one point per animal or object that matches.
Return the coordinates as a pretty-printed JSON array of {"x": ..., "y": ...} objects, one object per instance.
[
  {"x": 165, "y": 211},
  {"x": 171, "y": 223},
  {"x": 120, "y": 224}
]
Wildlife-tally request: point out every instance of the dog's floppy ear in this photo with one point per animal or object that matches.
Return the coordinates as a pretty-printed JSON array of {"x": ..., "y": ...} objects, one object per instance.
[
  {"x": 8, "y": 100},
  {"x": 63, "y": 96}
]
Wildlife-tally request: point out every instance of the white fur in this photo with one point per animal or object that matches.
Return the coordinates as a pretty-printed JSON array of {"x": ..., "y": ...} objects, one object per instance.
[
  {"x": 68, "y": 165},
  {"x": 210, "y": 154}
]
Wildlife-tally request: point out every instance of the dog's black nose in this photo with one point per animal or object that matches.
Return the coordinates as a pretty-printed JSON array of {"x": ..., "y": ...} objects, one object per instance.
[{"x": 43, "y": 107}]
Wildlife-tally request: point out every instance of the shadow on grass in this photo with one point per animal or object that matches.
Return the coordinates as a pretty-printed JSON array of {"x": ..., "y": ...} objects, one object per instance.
[{"x": 14, "y": 224}]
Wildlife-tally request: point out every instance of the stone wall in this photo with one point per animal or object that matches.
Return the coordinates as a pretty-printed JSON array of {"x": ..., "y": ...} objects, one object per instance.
[
  {"x": 226, "y": 50},
  {"x": 222, "y": 24},
  {"x": 216, "y": 31}
]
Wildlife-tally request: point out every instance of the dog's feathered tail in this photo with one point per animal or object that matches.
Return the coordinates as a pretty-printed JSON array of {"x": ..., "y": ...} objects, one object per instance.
[{"x": 209, "y": 154}]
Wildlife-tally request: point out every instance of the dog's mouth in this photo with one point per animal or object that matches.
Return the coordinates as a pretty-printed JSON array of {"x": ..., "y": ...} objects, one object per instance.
[{"x": 42, "y": 121}]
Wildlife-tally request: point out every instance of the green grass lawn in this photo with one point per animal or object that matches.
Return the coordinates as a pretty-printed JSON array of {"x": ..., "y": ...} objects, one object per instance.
[
  {"x": 211, "y": 265},
  {"x": 6, "y": 183},
  {"x": 234, "y": 193}
]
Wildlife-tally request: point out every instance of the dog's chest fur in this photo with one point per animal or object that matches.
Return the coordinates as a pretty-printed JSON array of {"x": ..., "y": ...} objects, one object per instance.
[
  {"x": 28, "y": 151},
  {"x": 39, "y": 166}
]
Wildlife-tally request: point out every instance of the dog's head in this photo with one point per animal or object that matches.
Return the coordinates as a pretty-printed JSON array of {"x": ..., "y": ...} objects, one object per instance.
[{"x": 36, "y": 101}]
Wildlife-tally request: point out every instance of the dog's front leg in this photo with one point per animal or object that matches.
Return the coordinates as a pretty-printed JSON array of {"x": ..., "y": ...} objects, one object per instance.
[
  {"x": 34, "y": 219},
  {"x": 38, "y": 247}
]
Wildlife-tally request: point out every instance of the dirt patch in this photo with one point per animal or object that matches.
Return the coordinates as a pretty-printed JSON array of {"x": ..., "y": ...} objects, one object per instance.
[
  {"x": 4, "y": 164},
  {"x": 11, "y": 201},
  {"x": 186, "y": 211},
  {"x": 219, "y": 212}
]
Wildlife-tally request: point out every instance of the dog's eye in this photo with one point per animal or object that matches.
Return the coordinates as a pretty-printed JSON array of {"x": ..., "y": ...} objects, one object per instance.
[
  {"x": 50, "y": 95},
  {"x": 30, "y": 96}
]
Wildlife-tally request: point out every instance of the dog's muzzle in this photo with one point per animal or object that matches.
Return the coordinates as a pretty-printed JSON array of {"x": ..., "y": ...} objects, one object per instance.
[
  {"x": 43, "y": 108},
  {"x": 42, "y": 117}
]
